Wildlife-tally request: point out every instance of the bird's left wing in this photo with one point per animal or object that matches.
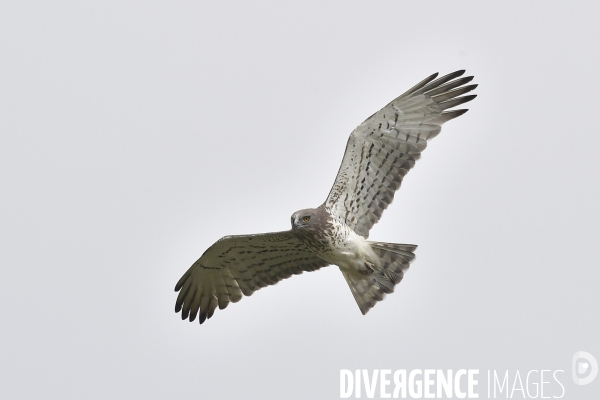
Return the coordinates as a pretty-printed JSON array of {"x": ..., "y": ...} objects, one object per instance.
[
  {"x": 240, "y": 265},
  {"x": 382, "y": 149}
]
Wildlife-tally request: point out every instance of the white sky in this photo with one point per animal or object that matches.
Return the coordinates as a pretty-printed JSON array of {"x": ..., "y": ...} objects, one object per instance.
[{"x": 135, "y": 134}]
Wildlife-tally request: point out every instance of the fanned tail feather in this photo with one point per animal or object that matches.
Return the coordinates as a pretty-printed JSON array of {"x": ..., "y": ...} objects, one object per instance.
[{"x": 394, "y": 261}]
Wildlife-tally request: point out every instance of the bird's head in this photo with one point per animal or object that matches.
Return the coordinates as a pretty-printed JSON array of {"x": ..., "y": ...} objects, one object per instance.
[{"x": 308, "y": 218}]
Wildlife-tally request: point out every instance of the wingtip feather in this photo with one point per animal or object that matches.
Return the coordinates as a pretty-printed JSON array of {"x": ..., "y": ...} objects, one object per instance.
[{"x": 419, "y": 85}]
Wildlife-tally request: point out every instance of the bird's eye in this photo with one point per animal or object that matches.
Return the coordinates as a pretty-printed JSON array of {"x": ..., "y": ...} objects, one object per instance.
[{"x": 306, "y": 219}]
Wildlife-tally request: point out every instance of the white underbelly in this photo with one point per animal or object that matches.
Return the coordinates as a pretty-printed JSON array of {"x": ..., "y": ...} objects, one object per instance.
[{"x": 352, "y": 254}]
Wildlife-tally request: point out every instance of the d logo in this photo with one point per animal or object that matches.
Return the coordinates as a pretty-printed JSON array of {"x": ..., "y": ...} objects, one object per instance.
[{"x": 585, "y": 368}]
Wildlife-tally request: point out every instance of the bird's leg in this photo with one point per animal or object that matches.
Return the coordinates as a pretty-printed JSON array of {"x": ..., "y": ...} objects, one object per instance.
[{"x": 368, "y": 269}]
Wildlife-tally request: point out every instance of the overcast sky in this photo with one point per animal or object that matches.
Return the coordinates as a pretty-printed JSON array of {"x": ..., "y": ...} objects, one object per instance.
[{"x": 135, "y": 134}]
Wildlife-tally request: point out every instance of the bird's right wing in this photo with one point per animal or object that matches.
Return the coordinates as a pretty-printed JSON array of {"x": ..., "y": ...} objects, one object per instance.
[
  {"x": 382, "y": 149},
  {"x": 240, "y": 265}
]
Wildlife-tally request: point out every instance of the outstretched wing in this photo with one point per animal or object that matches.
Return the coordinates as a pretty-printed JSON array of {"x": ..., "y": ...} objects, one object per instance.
[
  {"x": 384, "y": 148},
  {"x": 239, "y": 265}
]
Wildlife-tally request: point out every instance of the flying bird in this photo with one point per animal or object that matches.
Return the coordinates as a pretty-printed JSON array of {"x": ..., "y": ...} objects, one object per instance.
[{"x": 378, "y": 155}]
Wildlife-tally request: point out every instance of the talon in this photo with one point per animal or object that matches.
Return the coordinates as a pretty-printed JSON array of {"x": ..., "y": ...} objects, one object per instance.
[{"x": 370, "y": 268}]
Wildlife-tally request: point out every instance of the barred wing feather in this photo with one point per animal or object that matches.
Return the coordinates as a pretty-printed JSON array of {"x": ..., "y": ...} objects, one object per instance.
[
  {"x": 382, "y": 149},
  {"x": 240, "y": 265}
]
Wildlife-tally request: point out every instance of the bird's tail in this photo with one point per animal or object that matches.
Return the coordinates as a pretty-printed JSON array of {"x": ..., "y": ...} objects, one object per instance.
[{"x": 368, "y": 289}]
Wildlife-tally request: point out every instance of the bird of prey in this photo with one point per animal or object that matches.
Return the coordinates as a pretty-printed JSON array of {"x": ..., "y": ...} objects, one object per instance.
[{"x": 378, "y": 155}]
